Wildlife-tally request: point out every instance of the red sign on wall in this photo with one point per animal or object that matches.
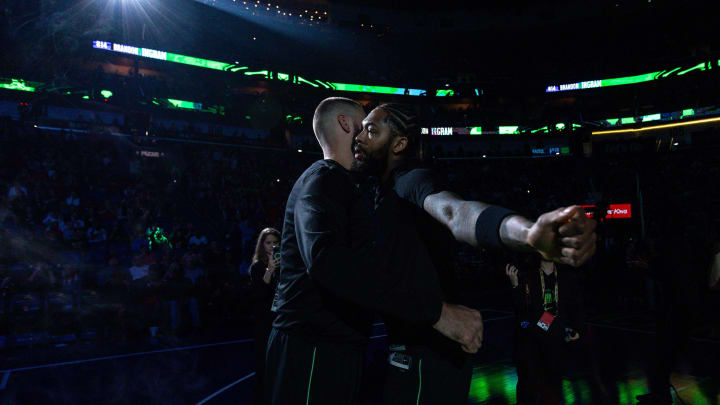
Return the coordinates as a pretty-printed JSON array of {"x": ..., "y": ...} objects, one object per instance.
[{"x": 614, "y": 211}]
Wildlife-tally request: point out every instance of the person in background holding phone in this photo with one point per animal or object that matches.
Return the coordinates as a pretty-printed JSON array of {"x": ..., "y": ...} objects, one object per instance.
[
  {"x": 263, "y": 281},
  {"x": 548, "y": 310}
]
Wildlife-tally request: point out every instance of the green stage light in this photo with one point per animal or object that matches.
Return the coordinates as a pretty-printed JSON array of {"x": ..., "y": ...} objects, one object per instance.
[
  {"x": 627, "y": 120},
  {"x": 699, "y": 66},
  {"x": 263, "y": 73},
  {"x": 17, "y": 84},
  {"x": 620, "y": 81},
  {"x": 508, "y": 130},
  {"x": 475, "y": 130},
  {"x": 190, "y": 60},
  {"x": 106, "y": 93},
  {"x": 231, "y": 67},
  {"x": 652, "y": 117},
  {"x": 189, "y": 105}
]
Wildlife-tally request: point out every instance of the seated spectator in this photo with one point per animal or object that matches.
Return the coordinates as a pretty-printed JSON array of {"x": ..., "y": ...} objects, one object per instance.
[
  {"x": 50, "y": 219},
  {"x": 70, "y": 280},
  {"x": 146, "y": 257},
  {"x": 96, "y": 233},
  {"x": 42, "y": 277},
  {"x": 105, "y": 274},
  {"x": 73, "y": 200},
  {"x": 17, "y": 191},
  {"x": 195, "y": 271},
  {"x": 197, "y": 239},
  {"x": 138, "y": 270}
]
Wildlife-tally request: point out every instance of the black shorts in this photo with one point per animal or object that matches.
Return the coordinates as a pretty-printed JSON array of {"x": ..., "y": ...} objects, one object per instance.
[
  {"x": 300, "y": 372},
  {"x": 428, "y": 379}
]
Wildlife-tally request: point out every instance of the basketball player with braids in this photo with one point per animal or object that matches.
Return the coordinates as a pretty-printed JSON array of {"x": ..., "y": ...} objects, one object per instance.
[
  {"x": 339, "y": 265},
  {"x": 426, "y": 367}
]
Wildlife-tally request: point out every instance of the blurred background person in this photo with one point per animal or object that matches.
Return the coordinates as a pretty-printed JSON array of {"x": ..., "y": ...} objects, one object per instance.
[
  {"x": 263, "y": 282},
  {"x": 544, "y": 327}
]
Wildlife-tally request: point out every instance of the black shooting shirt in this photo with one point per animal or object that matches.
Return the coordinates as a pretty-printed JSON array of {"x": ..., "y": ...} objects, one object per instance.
[
  {"x": 341, "y": 261},
  {"x": 412, "y": 184}
]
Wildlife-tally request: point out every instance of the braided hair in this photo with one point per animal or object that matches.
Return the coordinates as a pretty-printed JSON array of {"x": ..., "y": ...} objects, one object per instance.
[{"x": 403, "y": 120}]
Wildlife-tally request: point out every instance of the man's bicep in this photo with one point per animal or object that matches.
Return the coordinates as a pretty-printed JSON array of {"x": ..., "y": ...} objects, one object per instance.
[{"x": 445, "y": 207}]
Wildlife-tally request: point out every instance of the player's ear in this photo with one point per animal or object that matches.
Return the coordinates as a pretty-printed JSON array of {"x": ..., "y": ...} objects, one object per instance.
[
  {"x": 400, "y": 143},
  {"x": 344, "y": 123}
]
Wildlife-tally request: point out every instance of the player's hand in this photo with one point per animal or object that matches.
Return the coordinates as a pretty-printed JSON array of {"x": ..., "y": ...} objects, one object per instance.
[
  {"x": 565, "y": 236},
  {"x": 512, "y": 273},
  {"x": 461, "y": 324}
]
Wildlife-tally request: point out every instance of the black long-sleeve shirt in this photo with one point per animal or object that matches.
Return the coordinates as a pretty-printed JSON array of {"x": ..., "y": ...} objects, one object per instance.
[{"x": 342, "y": 258}]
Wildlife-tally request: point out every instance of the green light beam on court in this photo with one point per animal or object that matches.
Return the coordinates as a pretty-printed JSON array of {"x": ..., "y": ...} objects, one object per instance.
[
  {"x": 627, "y": 120},
  {"x": 651, "y": 117},
  {"x": 444, "y": 93},
  {"x": 475, "y": 130}
]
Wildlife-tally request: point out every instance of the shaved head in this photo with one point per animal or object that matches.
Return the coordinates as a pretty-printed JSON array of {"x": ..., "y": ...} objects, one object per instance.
[{"x": 334, "y": 115}]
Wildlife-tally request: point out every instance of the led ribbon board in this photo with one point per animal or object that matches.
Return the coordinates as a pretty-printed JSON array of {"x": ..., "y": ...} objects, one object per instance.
[
  {"x": 18, "y": 84},
  {"x": 265, "y": 74},
  {"x": 445, "y": 131},
  {"x": 613, "y": 211},
  {"x": 647, "y": 77}
]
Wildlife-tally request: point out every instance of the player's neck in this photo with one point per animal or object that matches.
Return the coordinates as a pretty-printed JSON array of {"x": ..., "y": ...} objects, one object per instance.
[
  {"x": 344, "y": 161},
  {"x": 390, "y": 167}
]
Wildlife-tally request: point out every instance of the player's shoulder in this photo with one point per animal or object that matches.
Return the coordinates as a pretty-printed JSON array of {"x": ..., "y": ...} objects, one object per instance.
[
  {"x": 325, "y": 175},
  {"x": 415, "y": 175}
]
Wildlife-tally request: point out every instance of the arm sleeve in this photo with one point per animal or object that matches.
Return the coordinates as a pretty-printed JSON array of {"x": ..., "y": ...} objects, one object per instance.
[
  {"x": 417, "y": 184},
  {"x": 321, "y": 226}
]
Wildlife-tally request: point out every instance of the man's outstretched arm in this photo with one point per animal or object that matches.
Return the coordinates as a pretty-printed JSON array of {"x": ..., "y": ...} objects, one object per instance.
[{"x": 565, "y": 235}]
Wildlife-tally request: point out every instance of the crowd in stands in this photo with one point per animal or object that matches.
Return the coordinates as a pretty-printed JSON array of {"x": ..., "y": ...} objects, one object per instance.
[{"x": 79, "y": 217}]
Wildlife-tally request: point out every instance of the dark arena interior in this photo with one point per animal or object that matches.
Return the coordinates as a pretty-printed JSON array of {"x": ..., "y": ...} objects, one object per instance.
[{"x": 147, "y": 145}]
